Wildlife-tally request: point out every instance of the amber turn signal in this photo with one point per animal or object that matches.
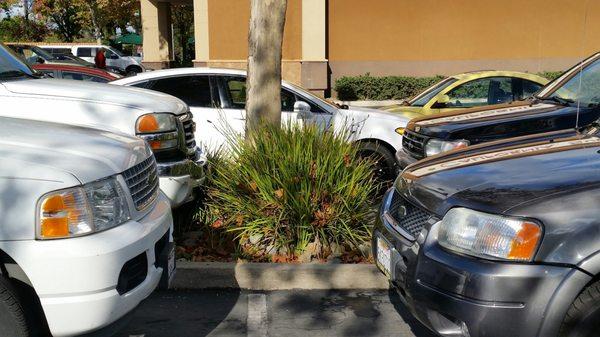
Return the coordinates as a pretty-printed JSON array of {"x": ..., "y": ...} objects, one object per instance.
[
  {"x": 147, "y": 124},
  {"x": 525, "y": 242}
]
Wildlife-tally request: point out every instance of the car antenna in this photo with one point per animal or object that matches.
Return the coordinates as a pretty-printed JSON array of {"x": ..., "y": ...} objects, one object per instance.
[{"x": 585, "y": 17}]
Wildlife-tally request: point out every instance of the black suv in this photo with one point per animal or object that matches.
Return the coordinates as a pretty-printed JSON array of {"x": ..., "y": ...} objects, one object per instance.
[
  {"x": 555, "y": 107},
  {"x": 499, "y": 239}
]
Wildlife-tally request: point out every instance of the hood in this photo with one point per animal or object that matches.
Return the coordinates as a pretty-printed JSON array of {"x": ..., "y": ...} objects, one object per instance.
[
  {"x": 87, "y": 154},
  {"x": 502, "y": 121},
  {"x": 407, "y": 111},
  {"x": 497, "y": 179},
  {"x": 361, "y": 114},
  {"x": 135, "y": 98}
]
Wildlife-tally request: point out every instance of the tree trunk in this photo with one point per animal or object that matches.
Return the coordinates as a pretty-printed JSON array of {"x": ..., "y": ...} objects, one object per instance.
[
  {"x": 263, "y": 86},
  {"x": 97, "y": 31}
]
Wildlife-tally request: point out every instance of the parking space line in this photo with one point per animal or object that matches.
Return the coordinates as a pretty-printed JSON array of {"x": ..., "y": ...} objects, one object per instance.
[{"x": 256, "y": 322}]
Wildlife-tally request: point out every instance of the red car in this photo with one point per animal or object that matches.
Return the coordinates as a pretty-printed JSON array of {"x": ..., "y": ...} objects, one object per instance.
[{"x": 80, "y": 73}]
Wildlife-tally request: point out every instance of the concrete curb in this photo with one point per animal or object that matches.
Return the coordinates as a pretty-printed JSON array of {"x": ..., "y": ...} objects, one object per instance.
[{"x": 277, "y": 276}]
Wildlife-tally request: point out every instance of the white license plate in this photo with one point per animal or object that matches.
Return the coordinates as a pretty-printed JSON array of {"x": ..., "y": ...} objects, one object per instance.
[{"x": 384, "y": 256}]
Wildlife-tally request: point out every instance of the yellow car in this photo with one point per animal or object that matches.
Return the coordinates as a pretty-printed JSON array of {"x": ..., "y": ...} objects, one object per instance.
[{"x": 469, "y": 90}]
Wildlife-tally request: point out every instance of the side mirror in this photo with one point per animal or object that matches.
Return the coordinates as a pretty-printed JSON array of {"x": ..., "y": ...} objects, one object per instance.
[
  {"x": 442, "y": 102},
  {"x": 40, "y": 60},
  {"x": 302, "y": 108}
]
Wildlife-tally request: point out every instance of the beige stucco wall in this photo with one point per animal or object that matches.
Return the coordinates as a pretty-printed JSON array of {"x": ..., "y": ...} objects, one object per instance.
[
  {"x": 428, "y": 37},
  {"x": 228, "y": 27}
]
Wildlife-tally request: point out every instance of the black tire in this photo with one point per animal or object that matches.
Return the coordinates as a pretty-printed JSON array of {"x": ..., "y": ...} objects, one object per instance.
[
  {"x": 12, "y": 315},
  {"x": 583, "y": 317},
  {"x": 385, "y": 163},
  {"x": 133, "y": 70}
]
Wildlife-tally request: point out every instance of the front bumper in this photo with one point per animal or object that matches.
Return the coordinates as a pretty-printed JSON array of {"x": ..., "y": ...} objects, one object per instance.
[
  {"x": 404, "y": 159},
  {"x": 178, "y": 179},
  {"x": 77, "y": 279},
  {"x": 457, "y": 295}
]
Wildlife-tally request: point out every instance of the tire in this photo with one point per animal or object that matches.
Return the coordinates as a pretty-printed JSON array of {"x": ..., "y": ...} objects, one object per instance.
[
  {"x": 12, "y": 315},
  {"x": 385, "y": 166},
  {"x": 132, "y": 71},
  {"x": 583, "y": 317}
]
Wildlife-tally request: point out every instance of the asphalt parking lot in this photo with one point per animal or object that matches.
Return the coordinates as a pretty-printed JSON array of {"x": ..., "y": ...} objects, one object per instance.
[{"x": 278, "y": 313}]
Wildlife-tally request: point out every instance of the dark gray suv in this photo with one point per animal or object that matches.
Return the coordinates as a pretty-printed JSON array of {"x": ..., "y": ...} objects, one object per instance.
[{"x": 499, "y": 239}]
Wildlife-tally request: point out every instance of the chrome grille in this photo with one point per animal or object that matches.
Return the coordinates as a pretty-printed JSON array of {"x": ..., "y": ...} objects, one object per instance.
[
  {"x": 414, "y": 143},
  {"x": 142, "y": 181},
  {"x": 189, "y": 126},
  {"x": 408, "y": 217}
]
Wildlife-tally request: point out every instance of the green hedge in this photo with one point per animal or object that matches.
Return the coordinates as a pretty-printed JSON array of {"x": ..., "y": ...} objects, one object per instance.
[{"x": 367, "y": 87}]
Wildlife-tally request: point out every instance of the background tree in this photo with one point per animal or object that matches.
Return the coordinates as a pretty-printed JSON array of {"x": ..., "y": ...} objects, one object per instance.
[
  {"x": 265, "y": 39},
  {"x": 64, "y": 15},
  {"x": 183, "y": 17}
]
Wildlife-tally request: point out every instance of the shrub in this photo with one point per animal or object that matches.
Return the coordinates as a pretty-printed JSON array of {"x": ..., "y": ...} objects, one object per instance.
[
  {"x": 287, "y": 189},
  {"x": 551, "y": 75},
  {"x": 367, "y": 87}
]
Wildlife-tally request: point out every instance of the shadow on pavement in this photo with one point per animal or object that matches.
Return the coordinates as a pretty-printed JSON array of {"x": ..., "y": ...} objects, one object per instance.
[
  {"x": 417, "y": 328},
  {"x": 189, "y": 314}
]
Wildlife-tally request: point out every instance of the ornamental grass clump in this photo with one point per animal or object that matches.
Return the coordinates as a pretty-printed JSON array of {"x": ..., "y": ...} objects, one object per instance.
[{"x": 292, "y": 190}]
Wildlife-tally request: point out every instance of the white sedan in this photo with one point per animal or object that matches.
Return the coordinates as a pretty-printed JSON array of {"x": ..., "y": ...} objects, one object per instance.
[{"x": 217, "y": 99}]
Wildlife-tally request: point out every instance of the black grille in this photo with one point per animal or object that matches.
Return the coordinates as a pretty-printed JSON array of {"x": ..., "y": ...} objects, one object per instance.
[
  {"x": 408, "y": 217},
  {"x": 132, "y": 274},
  {"x": 414, "y": 143},
  {"x": 189, "y": 127},
  {"x": 142, "y": 180}
]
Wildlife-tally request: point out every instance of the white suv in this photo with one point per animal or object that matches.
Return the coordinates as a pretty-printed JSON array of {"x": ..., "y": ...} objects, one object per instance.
[
  {"x": 217, "y": 98},
  {"x": 163, "y": 120},
  {"x": 79, "y": 248},
  {"x": 114, "y": 59}
]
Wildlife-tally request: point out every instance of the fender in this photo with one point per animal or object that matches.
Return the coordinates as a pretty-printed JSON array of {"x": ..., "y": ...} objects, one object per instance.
[
  {"x": 568, "y": 291},
  {"x": 374, "y": 131},
  {"x": 561, "y": 300}
]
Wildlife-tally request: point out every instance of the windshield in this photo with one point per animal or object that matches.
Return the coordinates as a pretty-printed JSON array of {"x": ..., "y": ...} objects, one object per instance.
[
  {"x": 42, "y": 53},
  {"x": 576, "y": 85},
  {"x": 114, "y": 51},
  {"x": 424, "y": 97},
  {"x": 11, "y": 66},
  {"x": 315, "y": 97}
]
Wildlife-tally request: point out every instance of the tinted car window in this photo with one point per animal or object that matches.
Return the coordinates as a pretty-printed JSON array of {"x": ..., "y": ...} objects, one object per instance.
[
  {"x": 194, "y": 90},
  {"x": 287, "y": 100},
  {"x": 480, "y": 92},
  {"x": 529, "y": 88},
  {"x": 236, "y": 88},
  {"x": 84, "y": 52},
  {"x": 82, "y": 77}
]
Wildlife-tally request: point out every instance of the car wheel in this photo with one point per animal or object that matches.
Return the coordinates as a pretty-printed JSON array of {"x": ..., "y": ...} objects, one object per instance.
[
  {"x": 132, "y": 71},
  {"x": 583, "y": 317},
  {"x": 384, "y": 167},
  {"x": 12, "y": 316}
]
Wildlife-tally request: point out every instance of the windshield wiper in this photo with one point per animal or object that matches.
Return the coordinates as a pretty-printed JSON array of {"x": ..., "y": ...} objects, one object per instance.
[{"x": 557, "y": 99}]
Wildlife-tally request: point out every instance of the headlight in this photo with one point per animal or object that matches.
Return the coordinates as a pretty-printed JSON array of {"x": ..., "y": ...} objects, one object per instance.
[
  {"x": 489, "y": 236},
  {"x": 159, "y": 130},
  {"x": 82, "y": 210},
  {"x": 435, "y": 146}
]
